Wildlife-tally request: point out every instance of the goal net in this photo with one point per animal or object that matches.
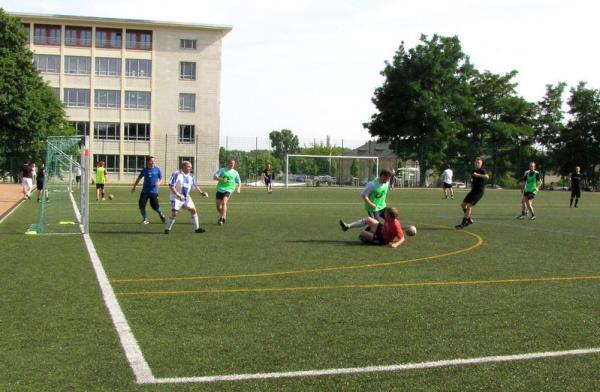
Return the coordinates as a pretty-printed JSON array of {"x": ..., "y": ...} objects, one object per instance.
[
  {"x": 63, "y": 208},
  {"x": 328, "y": 170}
]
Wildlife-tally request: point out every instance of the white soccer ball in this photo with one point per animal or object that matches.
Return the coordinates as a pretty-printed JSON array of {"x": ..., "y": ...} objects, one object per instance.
[{"x": 411, "y": 230}]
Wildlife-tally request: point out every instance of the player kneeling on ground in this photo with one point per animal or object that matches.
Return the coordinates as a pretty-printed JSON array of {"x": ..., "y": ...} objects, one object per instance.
[
  {"x": 182, "y": 182},
  {"x": 387, "y": 233}
]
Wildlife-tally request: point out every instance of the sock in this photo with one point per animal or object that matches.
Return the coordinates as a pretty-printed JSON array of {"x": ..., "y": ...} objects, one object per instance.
[
  {"x": 170, "y": 223},
  {"x": 576, "y": 201},
  {"x": 464, "y": 221},
  {"x": 571, "y": 202},
  {"x": 144, "y": 215},
  {"x": 464, "y": 210},
  {"x": 358, "y": 223},
  {"x": 159, "y": 212},
  {"x": 523, "y": 212},
  {"x": 195, "y": 221}
]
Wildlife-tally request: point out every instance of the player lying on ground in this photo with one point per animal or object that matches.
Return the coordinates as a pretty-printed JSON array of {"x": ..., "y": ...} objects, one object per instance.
[{"x": 387, "y": 233}]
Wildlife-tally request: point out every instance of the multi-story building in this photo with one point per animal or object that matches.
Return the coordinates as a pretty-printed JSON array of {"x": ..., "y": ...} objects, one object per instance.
[{"x": 135, "y": 87}]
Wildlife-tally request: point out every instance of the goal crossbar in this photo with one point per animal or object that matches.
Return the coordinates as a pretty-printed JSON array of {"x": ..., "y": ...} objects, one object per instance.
[{"x": 287, "y": 161}]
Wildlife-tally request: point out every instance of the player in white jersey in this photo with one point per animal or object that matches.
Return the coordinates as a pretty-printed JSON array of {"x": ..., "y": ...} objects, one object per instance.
[
  {"x": 181, "y": 184},
  {"x": 447, "y": 182}
]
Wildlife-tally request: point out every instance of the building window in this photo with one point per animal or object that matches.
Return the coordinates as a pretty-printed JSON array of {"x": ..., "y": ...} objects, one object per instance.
[
  {"x": 189, "y": 159},
  {"x": 79, "y": 65},
  {"x": 134, "y": 163},
  {"x": 187, "y": 71},
  {"x": 78, "y": 36},
  {"x": 82, "y": 127},
  {"x": 77, "y": 97},
  {"x": 187, "y": 102},
  {"x": 106, "y": 131},
  {"x": 108, "y": 66},
  {"x": 107, "y": 98},
  {"x": 138, "y": 39},
  {"x": 187, "y": 133},
  {"x": 109, "y": 38},
  {"x": 135, "y": 131},
  {"x": 138, "y": 68},
  {"x": 47, "y": 63},
  {"x": 137, "y": 99},
  {"x": 111, "y": 162},
  {"x": 56, "y": 92},
  {"x": 187, "y": 43},
  {"x": 46, "y": 35}
]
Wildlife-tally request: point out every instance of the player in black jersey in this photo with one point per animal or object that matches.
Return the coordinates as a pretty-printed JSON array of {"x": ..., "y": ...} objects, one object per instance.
[
  {"x": 478, "y": 179},
  {"x": 575, "y": 186}
]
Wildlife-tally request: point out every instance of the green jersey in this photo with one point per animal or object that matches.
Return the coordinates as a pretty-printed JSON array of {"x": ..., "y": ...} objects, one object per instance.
[
  {"x": 532, "y": 179},
  {"x": 100, "y": 175},
  {"x": 233, "y": 178},
  {"x": 377, "y": 193}
]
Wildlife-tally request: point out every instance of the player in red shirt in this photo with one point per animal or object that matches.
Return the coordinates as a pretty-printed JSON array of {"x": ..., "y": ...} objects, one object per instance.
[{"x": 387, "y": 233}]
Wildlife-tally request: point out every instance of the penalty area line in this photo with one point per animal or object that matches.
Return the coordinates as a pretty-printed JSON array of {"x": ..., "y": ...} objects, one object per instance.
[{"x": 375, "y": 369}]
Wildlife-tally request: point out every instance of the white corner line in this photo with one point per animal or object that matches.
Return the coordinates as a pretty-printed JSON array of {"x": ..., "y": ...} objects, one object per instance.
[
  {"x": 135, "y": 357},
  {"x": 373, "y": 369},
  {"x": 13, "y": 209}
]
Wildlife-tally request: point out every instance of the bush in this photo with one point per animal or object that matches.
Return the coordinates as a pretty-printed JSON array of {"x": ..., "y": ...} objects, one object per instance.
[{"x": 508, "y": 181}]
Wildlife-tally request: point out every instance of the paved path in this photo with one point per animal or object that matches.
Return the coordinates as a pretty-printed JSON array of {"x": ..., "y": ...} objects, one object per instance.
[{"x": 10, "y": 197}]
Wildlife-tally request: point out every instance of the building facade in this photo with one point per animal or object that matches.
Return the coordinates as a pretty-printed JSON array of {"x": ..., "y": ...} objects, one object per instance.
[{"x": 135, "y": 88}]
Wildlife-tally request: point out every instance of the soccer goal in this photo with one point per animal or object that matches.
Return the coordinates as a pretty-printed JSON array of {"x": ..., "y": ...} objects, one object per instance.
[
  {"x": 64, "y": 205},
  {"x": 328, "y": 170}
]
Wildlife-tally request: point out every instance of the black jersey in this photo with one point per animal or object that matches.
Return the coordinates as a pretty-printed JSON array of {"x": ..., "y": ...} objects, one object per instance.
[
  {"x": 478, "y": 183},
  {"x": 268, "y": 173},
  {"x": 575, "y": 181}
]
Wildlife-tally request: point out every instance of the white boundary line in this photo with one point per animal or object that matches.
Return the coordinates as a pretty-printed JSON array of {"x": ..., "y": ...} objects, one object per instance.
[
  {"x": 373, "y": 369},
  {"x": 11, "y": 211},
  {"x": 143, "y": 373}
]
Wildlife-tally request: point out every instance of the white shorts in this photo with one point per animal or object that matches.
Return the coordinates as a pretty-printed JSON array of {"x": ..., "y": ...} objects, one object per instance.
[
  {"x": 27, "y": 182},
  {"x": 187, "y": 203}
]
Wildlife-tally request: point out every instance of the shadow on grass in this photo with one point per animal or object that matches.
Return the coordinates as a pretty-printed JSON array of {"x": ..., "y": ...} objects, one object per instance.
[{"x": 330, "y": 242}]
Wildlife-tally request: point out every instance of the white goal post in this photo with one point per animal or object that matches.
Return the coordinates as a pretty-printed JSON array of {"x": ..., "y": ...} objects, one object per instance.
[{"x": 329, "y": 157}]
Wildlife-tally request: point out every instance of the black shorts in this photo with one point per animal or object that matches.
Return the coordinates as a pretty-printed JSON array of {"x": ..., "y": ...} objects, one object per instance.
[
  {"x": 100, "y": 186},
  {"x": 529, "y": 195},
  {"x": 77, "y": 178},
  {"x": 153, "y": 197},
  {"x": 222, "y": 195},
  {"x": 40, "y": 184},
  {"x": 576, "y": 192},
  {"x": 447, "y": 186},
  {"x": 376, "y": 214},
  {"x": 473, "y": 198},
  {"x": 378, "y": 236}
]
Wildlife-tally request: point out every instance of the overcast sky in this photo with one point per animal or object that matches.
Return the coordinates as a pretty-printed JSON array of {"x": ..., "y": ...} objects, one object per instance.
[{"x": 311, "y": 66}]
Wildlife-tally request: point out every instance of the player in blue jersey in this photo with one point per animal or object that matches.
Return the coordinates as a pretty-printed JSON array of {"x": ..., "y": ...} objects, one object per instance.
[
  {"x": 152, "y": 179},
  {"x": 181, "y": 184}
]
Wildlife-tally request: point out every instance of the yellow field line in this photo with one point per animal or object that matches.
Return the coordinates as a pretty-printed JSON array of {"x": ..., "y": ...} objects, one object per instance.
[
  {"x": 358, "y": 286},
  {"x": 478, "y": 243}
]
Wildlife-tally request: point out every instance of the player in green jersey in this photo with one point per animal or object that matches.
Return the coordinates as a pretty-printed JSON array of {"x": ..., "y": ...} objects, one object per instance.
[
  {"x": 532, "y": 184},
  {"x": 228, "y": 182},
  {"x": 374, "y": 196},
  {"x": 101, "y": 175}
]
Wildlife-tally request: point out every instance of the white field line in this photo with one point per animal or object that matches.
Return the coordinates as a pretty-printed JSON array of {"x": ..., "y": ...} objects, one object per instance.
[
  {"x": 374, "y": 369},
  {"x": 11, "y": 211},
  {"x": 133, "y": 352}
]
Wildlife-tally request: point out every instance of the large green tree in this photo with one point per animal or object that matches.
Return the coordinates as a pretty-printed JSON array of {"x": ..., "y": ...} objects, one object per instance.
[
  {"x": 579, "y": 142},
  {"x": 423, "y": 99},
  {"x": 29, "y": 111},
  {"x": 284, "y": 142}
]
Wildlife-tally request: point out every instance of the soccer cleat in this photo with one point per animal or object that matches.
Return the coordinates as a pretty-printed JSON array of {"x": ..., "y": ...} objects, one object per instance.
[
  {"x": 452, "y": 197},
  {"x": 344, "y": 226},
  {"x": 469, "y": 222},
  {"x": 521, "y": 217},
  {"x": 459, "y": 226},
  {"x": 163, "y": 219},
  {"x": 145, "y": 222},
  {"x": 532, "y": 217},
  {"x": 167, "y": 231},
  {"x": 220, "y": 221},
  {"x": 200, "y": 230},
  {"x": 103, "y": 199}
]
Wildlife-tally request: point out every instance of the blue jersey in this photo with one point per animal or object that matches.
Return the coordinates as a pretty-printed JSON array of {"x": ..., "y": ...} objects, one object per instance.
[{"x": 151, "y": 176}]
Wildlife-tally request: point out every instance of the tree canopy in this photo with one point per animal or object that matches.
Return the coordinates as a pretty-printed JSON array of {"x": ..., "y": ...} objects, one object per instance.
[{"x": 29, "y": 110}]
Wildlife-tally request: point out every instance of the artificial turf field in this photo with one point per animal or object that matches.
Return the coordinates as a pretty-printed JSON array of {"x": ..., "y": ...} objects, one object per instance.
[{"x": 280, "y": 288}]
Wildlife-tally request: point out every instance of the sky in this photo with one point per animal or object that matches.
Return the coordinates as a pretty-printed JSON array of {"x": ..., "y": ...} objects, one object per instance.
[{"x": 312, "y": 66}]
